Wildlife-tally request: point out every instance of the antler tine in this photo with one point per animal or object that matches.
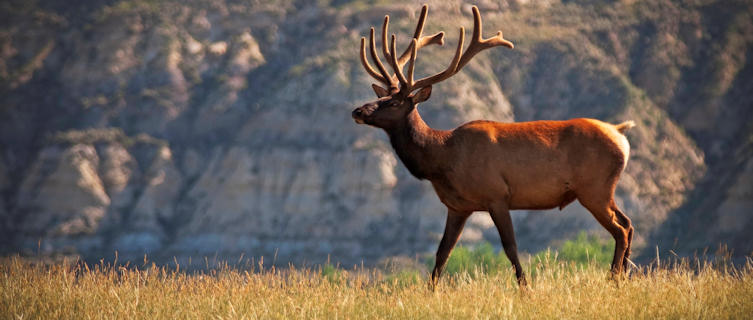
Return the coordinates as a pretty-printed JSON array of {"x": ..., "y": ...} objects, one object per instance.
[
  {"x": 367, "y": 66},
  {"x": 421, "y": 21},
  {"x": 451, "y": 69},
  {"x": 372, "y": 46},
  {"x": 478, "y": 27},
  {"x": 437, "y": 38},
  {"x": 413, "y": 50},
  {"x": 385, "y": 29},
  {"x": 478, "y": 43},
  {"x": 404, "y": 85}
]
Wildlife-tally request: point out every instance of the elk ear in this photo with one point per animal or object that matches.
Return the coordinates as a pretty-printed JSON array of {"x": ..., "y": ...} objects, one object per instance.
[
  {"x": 380, "y": 92},
  {"x": 422, "y": 95}
]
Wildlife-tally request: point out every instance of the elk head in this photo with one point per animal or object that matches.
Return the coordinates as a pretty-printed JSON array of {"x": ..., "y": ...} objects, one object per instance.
[{"x": 401, "y": 93}]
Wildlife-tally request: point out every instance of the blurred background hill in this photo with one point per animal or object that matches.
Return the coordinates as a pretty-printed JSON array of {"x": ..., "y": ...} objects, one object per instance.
[{"x": 202, "y": 128}]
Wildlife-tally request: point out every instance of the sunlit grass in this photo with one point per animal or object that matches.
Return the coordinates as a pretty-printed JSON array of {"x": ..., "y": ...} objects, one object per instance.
[{"x": 558, "y": 289}]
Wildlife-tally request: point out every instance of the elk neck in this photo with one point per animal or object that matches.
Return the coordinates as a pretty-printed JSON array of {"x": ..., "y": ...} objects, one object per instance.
[{"x": 418, "y": 146}]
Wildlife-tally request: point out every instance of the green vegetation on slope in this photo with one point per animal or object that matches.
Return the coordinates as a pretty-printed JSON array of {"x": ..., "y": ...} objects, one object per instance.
[{"x": 584, "y": 250}]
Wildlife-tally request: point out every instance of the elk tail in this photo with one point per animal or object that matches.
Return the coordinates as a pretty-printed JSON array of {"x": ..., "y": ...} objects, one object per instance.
[{"x": 625, "y": 126}]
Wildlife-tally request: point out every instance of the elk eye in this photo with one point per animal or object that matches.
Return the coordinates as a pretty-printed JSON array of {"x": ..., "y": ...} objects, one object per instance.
[{"x": 394, "y": 104}]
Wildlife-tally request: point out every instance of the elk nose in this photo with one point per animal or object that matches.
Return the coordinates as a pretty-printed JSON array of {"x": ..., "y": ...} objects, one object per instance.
[{"x": 357, "y": 112}]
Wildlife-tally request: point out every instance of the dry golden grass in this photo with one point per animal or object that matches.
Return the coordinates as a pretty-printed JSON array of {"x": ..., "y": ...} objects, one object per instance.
[{"x": 557, "y": 290}]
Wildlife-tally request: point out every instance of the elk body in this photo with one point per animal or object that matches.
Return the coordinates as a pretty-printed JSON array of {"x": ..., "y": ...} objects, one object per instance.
[{"x": 492, "y": 166}]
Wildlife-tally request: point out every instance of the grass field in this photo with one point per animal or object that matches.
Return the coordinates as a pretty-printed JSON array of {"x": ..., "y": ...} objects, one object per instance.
[{"x": 558, "y": 289}]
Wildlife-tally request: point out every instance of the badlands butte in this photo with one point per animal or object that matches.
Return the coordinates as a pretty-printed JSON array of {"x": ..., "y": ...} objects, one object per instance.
[{"x": 220, "y": 128}]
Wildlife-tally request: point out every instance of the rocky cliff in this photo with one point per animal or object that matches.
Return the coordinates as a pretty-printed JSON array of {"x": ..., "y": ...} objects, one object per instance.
[{"x": 223, "y": 127}]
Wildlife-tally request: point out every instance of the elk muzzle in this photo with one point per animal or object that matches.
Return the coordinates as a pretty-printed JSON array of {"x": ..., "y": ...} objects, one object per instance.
[{"x": 361, "y": 114}]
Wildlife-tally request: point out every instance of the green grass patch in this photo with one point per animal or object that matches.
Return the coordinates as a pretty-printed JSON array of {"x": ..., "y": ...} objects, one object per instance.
[{"x": 584, "y": 250}]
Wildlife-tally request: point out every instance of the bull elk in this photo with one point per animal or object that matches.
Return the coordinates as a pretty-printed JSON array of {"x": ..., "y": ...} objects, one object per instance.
[{"x": 492, "y": 166}]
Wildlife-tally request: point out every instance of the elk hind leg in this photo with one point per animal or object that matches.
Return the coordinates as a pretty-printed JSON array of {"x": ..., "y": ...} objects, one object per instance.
[
  {"x": 625, "y": 222},
  {"x": 602, "y": 210}
]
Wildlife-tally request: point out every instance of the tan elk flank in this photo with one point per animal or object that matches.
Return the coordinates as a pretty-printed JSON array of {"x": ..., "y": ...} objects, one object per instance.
[{"x": 492, "y": 166}]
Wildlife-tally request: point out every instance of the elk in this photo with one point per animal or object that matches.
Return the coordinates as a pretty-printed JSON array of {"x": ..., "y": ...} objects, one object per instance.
[{"x": 492, "y": 166}]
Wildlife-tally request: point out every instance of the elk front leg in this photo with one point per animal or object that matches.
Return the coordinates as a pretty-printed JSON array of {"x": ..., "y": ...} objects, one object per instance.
[
  {"x": 452, "y": 230},
  {"x": 501, "y": 216}
]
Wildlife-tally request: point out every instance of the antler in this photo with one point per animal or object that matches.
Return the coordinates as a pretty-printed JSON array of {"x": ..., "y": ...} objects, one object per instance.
[
  {"x": 459, "y": 61},
  {"x": 392, "y": 81},
  {"x": 384, "y": 77},
  {"x": 407, "y": 85}
]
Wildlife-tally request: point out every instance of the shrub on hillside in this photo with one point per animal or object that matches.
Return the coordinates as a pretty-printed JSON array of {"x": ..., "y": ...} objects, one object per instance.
[
  {"x": 480, "y": 258},
  {"x": 583, "y": 250}
]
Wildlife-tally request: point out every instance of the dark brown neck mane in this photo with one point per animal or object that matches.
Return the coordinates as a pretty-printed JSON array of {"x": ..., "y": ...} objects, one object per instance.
[{"x": 418, "y": 146}]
